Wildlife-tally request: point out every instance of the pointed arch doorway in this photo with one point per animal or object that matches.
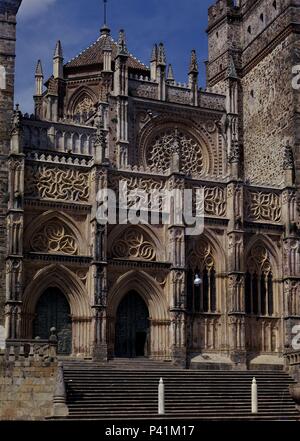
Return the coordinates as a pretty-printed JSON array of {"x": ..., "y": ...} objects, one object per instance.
[
  {"x": 132, "y": 327},
  {"x": 53, "y": 310}
]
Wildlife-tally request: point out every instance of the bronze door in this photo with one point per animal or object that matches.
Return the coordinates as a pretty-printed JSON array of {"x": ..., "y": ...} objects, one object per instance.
[
  {"x": 53, "y": 310},
  {"x": 131, "y": 327}
]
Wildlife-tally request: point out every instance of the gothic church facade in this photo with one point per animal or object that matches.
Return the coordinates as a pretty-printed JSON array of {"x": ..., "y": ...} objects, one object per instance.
[{"x": 104, "y": 118}]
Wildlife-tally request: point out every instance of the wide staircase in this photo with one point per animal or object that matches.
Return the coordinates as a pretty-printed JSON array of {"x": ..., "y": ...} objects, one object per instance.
[{"x": 125, "y": 389}]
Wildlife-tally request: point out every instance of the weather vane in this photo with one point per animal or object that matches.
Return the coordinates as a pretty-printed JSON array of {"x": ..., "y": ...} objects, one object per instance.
[{"x": 105, "y": 11}]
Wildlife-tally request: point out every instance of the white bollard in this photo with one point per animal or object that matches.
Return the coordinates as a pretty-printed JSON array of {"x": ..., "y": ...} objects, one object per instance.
[
  {"x": 161, "y": 397},
  {"x": 254, "y": 396}
]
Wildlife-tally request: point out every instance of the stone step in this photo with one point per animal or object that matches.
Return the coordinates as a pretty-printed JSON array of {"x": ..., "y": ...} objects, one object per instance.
[
  {"x": 182, "y": 412},
  {"x": 95, "y": 392},
  {"x": 135, "y": 407},
  {"x": 170, "y": 387},
  {"x": 214, "y": 400},
  {"x": 142, "y": 375}
]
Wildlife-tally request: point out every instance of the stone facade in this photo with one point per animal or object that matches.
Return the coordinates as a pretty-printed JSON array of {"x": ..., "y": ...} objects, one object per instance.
[
  {"x": 104, "y": 119},
  {"x": 8, "y": 11}
]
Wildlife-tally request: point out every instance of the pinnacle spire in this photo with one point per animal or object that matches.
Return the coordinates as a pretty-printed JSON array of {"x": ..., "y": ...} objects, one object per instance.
[
  {"x": 161, "y": 54},
  {"x": 105, "y": 29},
  {"x": 122, "y": 47},
  {"x": 107, "y": 45},
  {"x": 39, "y": 79},
  {"x": 58, "y": 53},
  {"x": 154, "y": 53},
  {"x": 193, "y": 62},
  {"x": 39, "y": 69},
  {"x": 170, "y": 75}
]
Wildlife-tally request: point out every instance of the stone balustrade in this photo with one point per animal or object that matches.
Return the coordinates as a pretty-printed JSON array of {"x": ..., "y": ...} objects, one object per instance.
[
  {"x": 292, "y": 363},
  {"x": 60, "y": 137},
  {"x": 293, "y": 358},
  {"x": 30, "y": 351},
  {"x": 144, "y": 87}
]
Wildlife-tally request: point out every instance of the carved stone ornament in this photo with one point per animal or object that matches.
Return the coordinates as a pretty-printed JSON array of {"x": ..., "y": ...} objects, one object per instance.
[
  {"x": 54, "y": 238},
  {"x": 263, "y": 206},
  {"x": 133, "y": 245},
  {"x": 202, "y": 256},
  {"x": 86, "y": 105},
  {"x": 159, "y": 152},
  {"x": 259, "y": 260},
  {"x": 288, "y": 162},
  {"x": 235, "y": 152},
  {"x": 55, "y": 183}
]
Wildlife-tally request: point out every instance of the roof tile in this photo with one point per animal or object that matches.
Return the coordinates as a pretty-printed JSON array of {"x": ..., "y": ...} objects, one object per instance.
[{"x": 93, "y": 55}]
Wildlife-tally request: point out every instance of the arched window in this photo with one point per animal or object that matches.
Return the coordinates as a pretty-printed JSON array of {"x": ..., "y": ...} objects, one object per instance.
[
  {"x": 259, "y": 283},
  {"x": 202, "y": 298},
  {"x": 83, "y": 108}
]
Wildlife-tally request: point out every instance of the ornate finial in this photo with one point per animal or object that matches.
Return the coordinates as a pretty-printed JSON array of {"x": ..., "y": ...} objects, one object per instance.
[
  {"x": 154, "y": 53},
  {"x": 39, "y": 69},
  {"x": 105, "y": 11},
  {"x": 58, "y": 53},
  {"x": 170, "y": 75},
  {"x": 193, "y": 62},
  {"x": 122, "y": 48},
  {"x": 161, "y": 59},
  {"x": 105, "y": 29},
  {"x": 288, "y": 162},
  {"x": 100, "y": 143}
]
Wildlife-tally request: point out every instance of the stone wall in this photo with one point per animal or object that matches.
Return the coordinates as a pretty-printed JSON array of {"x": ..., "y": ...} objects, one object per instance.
[
  {"x": 8, "y": 11},
  {"x": 268, "y": 115},
  {"x": 26, "y": 390}
]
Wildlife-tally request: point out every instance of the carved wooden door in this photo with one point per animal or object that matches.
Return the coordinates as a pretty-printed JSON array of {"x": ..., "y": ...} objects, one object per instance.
[
  {"x": 53, "y": 310},
  {"x": 131, "y": 327}
]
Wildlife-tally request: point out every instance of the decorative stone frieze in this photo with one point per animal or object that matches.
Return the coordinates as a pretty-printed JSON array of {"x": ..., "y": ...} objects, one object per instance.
[
  {"x": 56, "y": 183},
  {"x": 261, "y": 206}
]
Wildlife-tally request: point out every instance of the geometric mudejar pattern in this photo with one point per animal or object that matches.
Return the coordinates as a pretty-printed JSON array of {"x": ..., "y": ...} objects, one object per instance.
[{"x": 54, "y": 237}]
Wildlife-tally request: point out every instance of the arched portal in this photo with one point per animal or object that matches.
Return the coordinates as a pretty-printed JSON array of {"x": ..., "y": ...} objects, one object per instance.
[
  {"x": 53, "y": 310},
  {"x": 132, "y": 325}
]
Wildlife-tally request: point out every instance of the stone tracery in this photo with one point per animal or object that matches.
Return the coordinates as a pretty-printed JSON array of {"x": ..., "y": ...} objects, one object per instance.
[
  {"x": 134, "y": 245},
  {"x": 202, "y": 298},
  {"x": 54, "y": 237},
  {"x": 259, "y": 282},
  {"x": 85, "y": 105},
  {"x": 54, "y": 183},
  {"x": 161, "y": 149},
  {"x": 263, "y": 206}
]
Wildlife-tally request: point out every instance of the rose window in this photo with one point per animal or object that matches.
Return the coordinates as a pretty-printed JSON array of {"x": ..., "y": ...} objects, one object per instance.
[{"x": 160, "y": 152}]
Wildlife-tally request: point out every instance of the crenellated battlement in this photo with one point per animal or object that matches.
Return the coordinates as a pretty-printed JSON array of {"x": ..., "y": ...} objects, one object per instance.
[{"x": 221, "y": 9}]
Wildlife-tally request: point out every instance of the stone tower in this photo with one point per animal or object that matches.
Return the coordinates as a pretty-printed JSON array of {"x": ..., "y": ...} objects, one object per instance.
[
  {"x": 8, "y": 12},
  {"x": 257, "y": 42},
  {"x": 253, "y": 51}
]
